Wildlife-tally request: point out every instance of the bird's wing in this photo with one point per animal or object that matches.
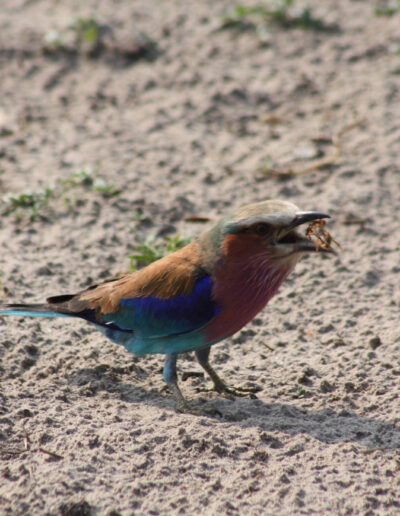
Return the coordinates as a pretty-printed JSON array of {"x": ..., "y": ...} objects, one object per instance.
[{"x": 169, "y": 297}]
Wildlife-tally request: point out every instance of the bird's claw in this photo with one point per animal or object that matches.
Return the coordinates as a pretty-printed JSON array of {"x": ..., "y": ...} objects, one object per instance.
[
  {"x": 188, "y": 408},
  {"x": 231, "y": 392},
  {"x": 185, "y": 407}
]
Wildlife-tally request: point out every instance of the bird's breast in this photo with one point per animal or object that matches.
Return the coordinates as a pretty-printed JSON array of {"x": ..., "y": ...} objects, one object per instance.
[{"x": 242, "y": 290}]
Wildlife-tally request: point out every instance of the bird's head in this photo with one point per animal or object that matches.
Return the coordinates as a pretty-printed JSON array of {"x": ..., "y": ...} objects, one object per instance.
[{"x": 269, "y": 229}]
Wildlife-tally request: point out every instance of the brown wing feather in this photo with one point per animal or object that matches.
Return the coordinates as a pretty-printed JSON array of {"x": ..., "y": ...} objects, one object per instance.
[{"x": 173, "y": 275}]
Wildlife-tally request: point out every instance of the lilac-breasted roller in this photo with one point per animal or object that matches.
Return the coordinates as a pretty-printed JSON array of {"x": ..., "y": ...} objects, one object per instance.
[{"x": 197, "y": 296}]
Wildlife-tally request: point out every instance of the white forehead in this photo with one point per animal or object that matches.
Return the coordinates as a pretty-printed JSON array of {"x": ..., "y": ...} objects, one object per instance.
[{"x": 272, "y": 211}]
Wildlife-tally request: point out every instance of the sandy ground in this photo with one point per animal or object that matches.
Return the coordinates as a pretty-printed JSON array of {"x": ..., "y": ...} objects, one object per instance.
[{"x": 186, "y": 119}]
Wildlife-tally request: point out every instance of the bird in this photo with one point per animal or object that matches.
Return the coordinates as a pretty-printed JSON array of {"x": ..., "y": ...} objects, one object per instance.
[{"x": 196, "y": 296}]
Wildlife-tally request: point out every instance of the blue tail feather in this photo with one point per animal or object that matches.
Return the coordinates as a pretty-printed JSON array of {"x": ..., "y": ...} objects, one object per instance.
[{"x": 30, "y": 313}]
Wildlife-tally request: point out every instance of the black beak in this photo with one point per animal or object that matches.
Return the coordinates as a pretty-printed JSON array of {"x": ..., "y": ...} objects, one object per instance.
[{"x": 306, "y": 216}]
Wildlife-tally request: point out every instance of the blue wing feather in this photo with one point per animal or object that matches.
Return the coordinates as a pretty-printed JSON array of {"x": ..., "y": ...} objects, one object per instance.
[{"x": 164, "y": 325}]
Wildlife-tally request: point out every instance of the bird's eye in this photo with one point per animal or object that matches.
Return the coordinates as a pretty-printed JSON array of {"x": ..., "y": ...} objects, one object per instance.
[{"x": 261, "y": 229}]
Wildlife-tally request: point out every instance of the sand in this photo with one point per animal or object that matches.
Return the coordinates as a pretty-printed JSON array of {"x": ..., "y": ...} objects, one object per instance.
[{"x": 174, "y": 117}]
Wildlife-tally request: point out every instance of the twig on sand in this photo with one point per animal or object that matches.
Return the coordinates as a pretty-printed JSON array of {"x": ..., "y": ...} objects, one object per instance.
[
  {"x": 11, "y": 451},
  {"x": 268, "y": 347},
  {"x": 323, "y": 162},
  {"x": 52, "y": 454},
  {"x": 18, "y": 451}
]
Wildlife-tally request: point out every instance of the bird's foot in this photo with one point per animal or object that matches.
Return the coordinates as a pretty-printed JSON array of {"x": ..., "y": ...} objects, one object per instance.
[
  {"x": 189, "y": 408},
  {"x": 219, "y": 385},
  {"x": 183, "y": 406},
  {"x": 231, "y": 392}
]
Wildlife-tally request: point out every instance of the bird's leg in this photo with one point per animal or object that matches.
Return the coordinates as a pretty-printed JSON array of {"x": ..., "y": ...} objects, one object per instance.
[
  {"x": 170, "y": 376},
  {"x": 219, "y": 385}
]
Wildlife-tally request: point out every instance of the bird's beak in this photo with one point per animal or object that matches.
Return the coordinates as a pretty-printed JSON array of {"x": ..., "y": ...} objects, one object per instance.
[
  {"x": 289, "y": 237},
  {"x": 302, "y": 217}
]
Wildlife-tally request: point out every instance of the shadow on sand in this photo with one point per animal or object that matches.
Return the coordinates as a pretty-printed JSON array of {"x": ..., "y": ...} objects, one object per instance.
[{"x": 327, "y": 425}]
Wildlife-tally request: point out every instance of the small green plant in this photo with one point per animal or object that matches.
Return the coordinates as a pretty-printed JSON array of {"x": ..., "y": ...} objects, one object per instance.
[
  {"x": 83, "y": 178},
  {"x": 87, "y": 30},
  {"x": 300, "y": 393},
  {"x": 37, "y": 202},
  {"x": 34, "y": 205},
  {"x": 279, "y": 12},
  {"x": 83, "y": 36},
  {"x": 97, "y": 184},
  {"x": 108, "y": 190},
  {"x": 237, "y": 16},
  {"x": 387, "y": 7},
  {"x": 151, "y": 250}
]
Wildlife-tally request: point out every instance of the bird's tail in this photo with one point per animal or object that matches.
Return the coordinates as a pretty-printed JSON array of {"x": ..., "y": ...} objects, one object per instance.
[
  {"x": 38, "y": 310},
  {"x": 56, "y": 307}
]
